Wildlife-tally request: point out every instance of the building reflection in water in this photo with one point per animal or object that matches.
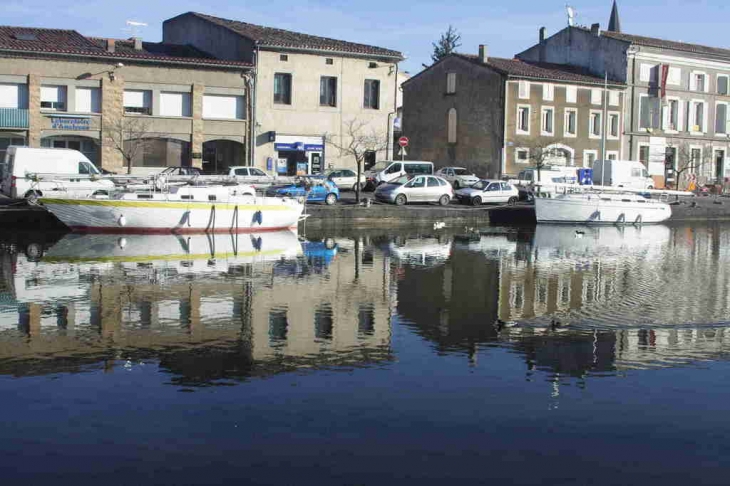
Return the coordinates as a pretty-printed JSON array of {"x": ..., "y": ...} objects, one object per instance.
[{"x": 227, "y": 308}]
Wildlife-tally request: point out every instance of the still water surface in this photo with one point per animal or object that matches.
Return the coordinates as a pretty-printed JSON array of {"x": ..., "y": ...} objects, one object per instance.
[{"x": 367, "y": 357}]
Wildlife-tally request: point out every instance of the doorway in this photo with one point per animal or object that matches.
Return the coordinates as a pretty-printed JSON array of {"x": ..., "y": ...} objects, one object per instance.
[
  {"x": 719, "y": 166},
  {"x": 297, "y": 162}
]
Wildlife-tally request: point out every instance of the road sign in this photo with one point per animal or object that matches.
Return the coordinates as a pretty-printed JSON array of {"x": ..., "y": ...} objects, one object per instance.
[{"x": 403, "y": 141}]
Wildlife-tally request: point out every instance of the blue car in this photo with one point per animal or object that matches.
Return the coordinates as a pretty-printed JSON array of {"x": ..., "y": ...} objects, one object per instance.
[{"x": 317, "y": 189}]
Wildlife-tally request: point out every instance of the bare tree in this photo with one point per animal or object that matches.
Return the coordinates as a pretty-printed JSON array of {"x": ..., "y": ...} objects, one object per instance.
[
  {"x": 128, "y": 136},
  {"x": 447, "y": 44},
  {"x": 356, "y": 140},
  {"x": 540, "y": 152},
  {"x": 689, "y": 162}
]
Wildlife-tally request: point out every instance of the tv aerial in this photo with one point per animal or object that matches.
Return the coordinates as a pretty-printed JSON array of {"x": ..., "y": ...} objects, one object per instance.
[
  {"x": 572, "y": 14},
  {"x": 134, "y": 27}
]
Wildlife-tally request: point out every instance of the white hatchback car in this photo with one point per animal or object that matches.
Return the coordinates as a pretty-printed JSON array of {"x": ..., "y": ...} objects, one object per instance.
[
  {"x": 457, "y": 176},
  {"x": 488, "y": 192}
]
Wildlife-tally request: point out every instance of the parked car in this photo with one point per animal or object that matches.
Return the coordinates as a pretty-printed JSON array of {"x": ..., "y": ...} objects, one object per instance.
[
  {"x": 457, "y": 176},
  {"x": 421, "y": 188},
  {"x": 315, "y": 188},
  {"x": 181, "y": 171},
  {"x": 388, "y": 170},
  {"x": 345, "y": 178},
  {"x": 74, "y": 173},
  {"x": 251, "y": 175},
  {"x": 488, "y": 192}
]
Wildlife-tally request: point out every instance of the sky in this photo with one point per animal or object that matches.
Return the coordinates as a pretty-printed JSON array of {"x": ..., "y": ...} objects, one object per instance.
[{"x": 505, "y": 26}]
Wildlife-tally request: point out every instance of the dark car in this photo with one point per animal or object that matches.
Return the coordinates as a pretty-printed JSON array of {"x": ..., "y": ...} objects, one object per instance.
[{"x": 316, "y": 189}]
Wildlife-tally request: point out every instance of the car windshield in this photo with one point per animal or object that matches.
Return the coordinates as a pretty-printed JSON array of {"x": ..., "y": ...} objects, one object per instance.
[
  {"x": 461, "y": 172},
  {"x": 480, "y": 185},
  {"x": 400, "y": 181},
  {"x": 380, "y": 166}
]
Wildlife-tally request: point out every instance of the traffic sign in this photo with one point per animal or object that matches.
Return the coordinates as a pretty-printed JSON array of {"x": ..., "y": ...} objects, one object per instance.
[{"x": 403, "y": 141}]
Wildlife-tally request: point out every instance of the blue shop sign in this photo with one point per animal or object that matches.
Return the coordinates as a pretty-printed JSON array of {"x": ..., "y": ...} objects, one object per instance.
[
  {"x": 64, "y": 123},
  {"x": 307, "y": 147}
]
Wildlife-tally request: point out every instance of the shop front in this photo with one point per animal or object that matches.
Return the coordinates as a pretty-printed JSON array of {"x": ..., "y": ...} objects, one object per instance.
[{"x": 299, "y": 155}]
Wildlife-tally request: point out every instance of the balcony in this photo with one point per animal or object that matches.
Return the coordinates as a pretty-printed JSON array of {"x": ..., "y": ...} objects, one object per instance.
[{"x": 13, "y": 118}]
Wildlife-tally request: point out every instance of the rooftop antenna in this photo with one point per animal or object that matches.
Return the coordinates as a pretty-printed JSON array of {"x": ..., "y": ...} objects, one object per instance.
[
  {"x": 133, "y": 27},
  {"x": 572, "y": 14}
]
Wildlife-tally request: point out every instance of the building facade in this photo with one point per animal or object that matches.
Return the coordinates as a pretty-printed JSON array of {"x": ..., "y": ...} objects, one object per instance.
[
  {"x": 169, "y": 104},
  {"x": 678, "y": 94},
  {"x": 497, "y": 116},
  {"x": 313, "y": 94}
]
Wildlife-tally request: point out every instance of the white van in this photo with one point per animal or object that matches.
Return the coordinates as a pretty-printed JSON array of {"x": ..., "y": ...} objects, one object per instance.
[
  {"x": 388, "y": 170},
  {"x": 621, "y": 173},
  {"x": 20, "y": 161}
]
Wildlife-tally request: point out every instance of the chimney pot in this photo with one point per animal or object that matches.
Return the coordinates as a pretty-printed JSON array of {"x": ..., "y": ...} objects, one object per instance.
[
  {"x": 483, "y": 54},
  {"x": 137, "y": 44},
  {"x": 110, "y": 45},
  {"x": 542, "y": 35},
  {"x": 596, "y": 29}
]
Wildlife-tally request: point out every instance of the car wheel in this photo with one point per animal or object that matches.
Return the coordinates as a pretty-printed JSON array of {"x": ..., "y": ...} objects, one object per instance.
[
  {"x": 476, "y": 201},
  {"x": 330, "y": 199},
  {"x": 32, "y": 196},
  {"x": 650, "y": 187},
  {"x": 456, "y": 184},
  {"x": 444, "y": 200},
  {"x": 400, "y": 200},
  {"x": 512, "y": 201}
]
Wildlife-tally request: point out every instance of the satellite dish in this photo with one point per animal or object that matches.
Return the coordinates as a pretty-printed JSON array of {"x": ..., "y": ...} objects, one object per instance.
[{"x": 571, "y": 15}]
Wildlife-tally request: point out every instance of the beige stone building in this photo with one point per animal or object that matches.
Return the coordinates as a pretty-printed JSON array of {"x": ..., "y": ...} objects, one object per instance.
[
  {"x": 309, "y": 90},
  {"x": 61, "y": 89}
]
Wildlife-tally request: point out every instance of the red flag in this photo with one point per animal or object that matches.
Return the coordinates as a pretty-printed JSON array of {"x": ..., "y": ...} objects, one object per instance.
[{"x": 665, "y": 75}]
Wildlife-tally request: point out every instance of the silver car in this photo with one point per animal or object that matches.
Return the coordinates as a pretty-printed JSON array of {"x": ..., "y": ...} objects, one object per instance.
[
  {"x": 457, "y": 176},
  {"x": 421, "y": 188},
  {"x": 488, "y": 192}
]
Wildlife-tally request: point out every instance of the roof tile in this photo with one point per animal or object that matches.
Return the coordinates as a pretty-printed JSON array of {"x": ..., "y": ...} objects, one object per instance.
[{"x": 666, "y": 44}]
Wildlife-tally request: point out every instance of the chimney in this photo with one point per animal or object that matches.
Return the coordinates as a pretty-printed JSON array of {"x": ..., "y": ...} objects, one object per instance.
[
  {"x": 596, "y": 29},
  {"x": 483, "y": 54},
  {"x": 542, "y": 35},
  {"x": 541, "y": 46},
  {"x": 110, "y": 45},
  {"x": 137, "y": 43}
]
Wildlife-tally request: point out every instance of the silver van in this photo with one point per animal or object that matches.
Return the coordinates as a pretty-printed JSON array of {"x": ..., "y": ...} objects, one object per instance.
[{"x": 390, "y": 170}]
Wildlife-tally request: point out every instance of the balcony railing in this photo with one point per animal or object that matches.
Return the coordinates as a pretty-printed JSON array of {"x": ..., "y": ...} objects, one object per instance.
[{"x": 13, "y": 118}]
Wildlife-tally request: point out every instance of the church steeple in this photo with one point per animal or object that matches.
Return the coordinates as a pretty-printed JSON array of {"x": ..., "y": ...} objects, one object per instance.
[{"x": 614, "y": 24}]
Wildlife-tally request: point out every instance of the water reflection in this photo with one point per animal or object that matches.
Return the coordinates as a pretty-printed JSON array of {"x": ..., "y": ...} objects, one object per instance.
[{"x": 210, "y": 309}]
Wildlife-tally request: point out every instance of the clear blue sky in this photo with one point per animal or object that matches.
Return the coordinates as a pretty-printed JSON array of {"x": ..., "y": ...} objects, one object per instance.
[{"x": 506, "y": 26}]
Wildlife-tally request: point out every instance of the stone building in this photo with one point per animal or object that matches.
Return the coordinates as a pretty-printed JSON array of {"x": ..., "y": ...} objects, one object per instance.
[
  {"x": 308, "y": 88},
  {"x": 677, "y": 94},
  {"x": 61, "y": 89},
  {"x": 497, "y": 116}
]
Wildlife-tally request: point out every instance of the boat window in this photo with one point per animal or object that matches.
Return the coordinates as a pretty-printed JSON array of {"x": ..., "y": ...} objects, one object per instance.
[
  {"x": 186, "y": 196},
  {"x": 605, "y": 199},
  {"x": 144, "y": 196},
  {"x": 211, "y": 197},
  {"x": 625, "y": 200},
  {"x": 641, "y": 200}
]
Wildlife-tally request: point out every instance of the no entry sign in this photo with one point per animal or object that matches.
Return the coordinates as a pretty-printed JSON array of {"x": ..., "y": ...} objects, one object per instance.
[{"x": 403, "y": 141}]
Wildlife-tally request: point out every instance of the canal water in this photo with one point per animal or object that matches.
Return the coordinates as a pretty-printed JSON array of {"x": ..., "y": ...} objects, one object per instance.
[{"x": 550, "y": 355}]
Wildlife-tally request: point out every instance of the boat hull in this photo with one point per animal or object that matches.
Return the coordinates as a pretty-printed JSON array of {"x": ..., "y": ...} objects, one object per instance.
[
  {"x": 150, "y": 217},
  {"x": 599, "y": 209}
]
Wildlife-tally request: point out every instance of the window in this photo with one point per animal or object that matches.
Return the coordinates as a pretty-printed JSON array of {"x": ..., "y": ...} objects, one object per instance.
[
  {"x": 722, "y": 84},
  {"x": 283, "y": 57},
  {"x": 547, "y": 121},
  {"x": 160, "y": 152},
  {"x": 589, "y": 156},
  {"x": 88, "y": 100},
  {"x": 548, "y": 92},
  {"x": 571, "y": 94},
  {"x": 649, "y": 73},
  {"x": 523, "y": 119},
  {"x": 328, "y": 91},
  {"x": 612, "y": 155},
  {"x": 570, "y": 125},
  {"x": 524, "y": 89},
  {"x": 594, "y": 128},
  {"x": 372, "y": 94},
  {"x": 649, "y": 112},
  {"x": 450, "y": 83},
  {"x": 522, "y": 155},
  {"x": 372, "y": 65},
  {"x": 721, "y": 118},
  {"x": 138, "y": 102},
  {"x": 452, "y": 126},
  {"x": 394, "y": 168},
  {"x": 672, "y": 115},
  {"x": 695, "y": 157},
  {"x": 596, "y": 96},
  {"x": 697, "y": 116},
  {"x": 613, "y": 125},
  {"x": 674, "y": 77},
  {"x": 256, "y": 172},
  {"x": 224, "y": 107},
  {"x": 613, "y": 98},
  {"x": 53, "y": 98},
  {"x": 14, "y": 96},
  {"x": 175, "y": 104},
  {"x": 329, "y": 61},
  {"x": 87, "y": 169},
  {"x": 698, "y": 81},
  {"x": 644, "y": 154},
  {"x": 433, "y": 182},
  {"x": 282, "y": 89}
]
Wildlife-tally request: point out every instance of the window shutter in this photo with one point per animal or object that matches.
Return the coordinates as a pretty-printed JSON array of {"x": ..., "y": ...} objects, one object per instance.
[
  {"x": 644, "y": 113},
  {"x": 721, "y": 119},
  {"x": 451, "y": 83},
  {"x": 722, "y": 84},
  {"x": 452, "y": 125},
  {"x": 571, "y": 94}
]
